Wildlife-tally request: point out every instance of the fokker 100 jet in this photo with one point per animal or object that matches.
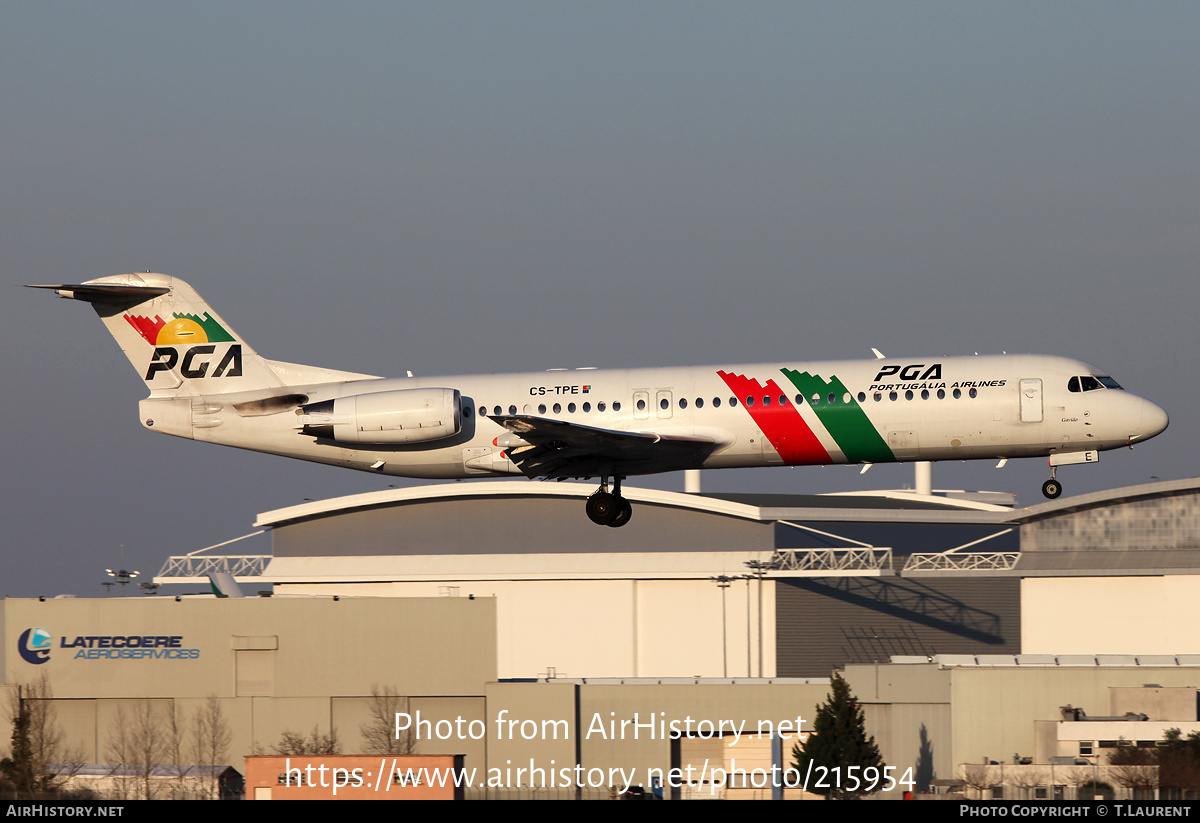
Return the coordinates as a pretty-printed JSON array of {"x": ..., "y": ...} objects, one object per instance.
[{"x": 206, "y": 383}]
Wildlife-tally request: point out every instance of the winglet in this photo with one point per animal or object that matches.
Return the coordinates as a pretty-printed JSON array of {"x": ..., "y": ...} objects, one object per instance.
[{"x": 878, "y": 354}]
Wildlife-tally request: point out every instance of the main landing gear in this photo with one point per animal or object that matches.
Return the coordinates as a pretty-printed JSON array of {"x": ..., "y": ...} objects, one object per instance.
[
  {"x": 607, "y": 508},
  {"x": 1052, "y": 488}
]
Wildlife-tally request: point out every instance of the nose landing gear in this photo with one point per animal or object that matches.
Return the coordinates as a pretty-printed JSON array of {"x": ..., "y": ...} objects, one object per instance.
[
  {"x": 1052, "y": 488},
  {"x": 606, "y": 508}
]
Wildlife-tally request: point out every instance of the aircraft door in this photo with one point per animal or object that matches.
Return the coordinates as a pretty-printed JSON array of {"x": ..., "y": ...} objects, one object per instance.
[
  {"x": 1031, "y": 400},
  {"x": 664, "y": 404},
  {"x": 641, "y": 405}
]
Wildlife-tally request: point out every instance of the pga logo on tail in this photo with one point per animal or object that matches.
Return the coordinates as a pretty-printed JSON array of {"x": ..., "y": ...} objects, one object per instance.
[
  {"x": 167, "y": 337},
  {"x": 165, "y": 358}
]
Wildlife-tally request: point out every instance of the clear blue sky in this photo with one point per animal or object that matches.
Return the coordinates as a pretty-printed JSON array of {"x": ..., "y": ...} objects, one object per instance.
[{"x": 470, "y": 187}]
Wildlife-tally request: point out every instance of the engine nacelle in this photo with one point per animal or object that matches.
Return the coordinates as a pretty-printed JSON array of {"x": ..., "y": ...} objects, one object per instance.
[{"x": 386, "y": 417}]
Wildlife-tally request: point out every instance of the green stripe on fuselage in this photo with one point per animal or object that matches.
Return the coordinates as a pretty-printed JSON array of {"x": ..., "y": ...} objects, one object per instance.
[{"x": 846, "y": 422}]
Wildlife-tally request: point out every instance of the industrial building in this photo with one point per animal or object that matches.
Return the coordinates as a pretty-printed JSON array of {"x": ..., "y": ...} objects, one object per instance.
[
  {"x": 790, "y": 585},
  {"x": 960, "y": 622}
]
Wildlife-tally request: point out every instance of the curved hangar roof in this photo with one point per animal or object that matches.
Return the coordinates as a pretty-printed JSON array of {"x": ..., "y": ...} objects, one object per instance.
[{"x": 486, "y": 517}]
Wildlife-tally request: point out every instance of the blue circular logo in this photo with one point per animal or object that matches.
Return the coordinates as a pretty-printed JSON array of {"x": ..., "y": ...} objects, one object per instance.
[{"x": 34, "y": 646}]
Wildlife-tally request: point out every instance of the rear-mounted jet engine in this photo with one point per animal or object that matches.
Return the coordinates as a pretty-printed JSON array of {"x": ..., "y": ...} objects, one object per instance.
[{"x": 389, "y": 417}]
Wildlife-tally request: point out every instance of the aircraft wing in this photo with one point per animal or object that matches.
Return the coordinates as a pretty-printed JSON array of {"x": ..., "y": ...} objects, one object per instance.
[{"x": 556, "y": 448}]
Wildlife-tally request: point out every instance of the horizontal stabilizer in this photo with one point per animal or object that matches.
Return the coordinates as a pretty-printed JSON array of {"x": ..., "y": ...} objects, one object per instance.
[{"x": 107, "y": 294}]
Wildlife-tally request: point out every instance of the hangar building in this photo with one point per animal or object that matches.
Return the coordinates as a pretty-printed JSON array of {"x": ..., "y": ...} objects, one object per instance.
[{"x": 758, "y": 585}]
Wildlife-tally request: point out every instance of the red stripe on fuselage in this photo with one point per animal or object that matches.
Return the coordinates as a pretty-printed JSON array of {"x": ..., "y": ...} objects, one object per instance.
[{"x": 780, "y": 422}]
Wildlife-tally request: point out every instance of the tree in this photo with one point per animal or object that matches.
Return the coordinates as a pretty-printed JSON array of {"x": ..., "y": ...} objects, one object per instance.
[
  {"x": 293, "y": 744},
  {"x": 839, "y": 741},
  {"x": 18, "y": 769},
  {"x": 138, "y": 742},
  {"x": 978, "y": 777},
  {"x": 210, "y": 743},
  {"x": 379, "y": 732},
  {"x": 40, "y": 763},
  {"x": 1025, "y": 779},
  {"x": 1179, "y": 762},
  {"x": 1134, "y": 768}
]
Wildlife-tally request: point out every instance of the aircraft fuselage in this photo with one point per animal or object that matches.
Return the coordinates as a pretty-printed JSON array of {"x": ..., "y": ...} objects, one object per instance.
[{"x": 875, "y": 411}]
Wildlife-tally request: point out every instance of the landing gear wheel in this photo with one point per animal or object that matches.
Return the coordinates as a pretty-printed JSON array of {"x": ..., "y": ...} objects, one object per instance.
[
  {"x": 624, "y": 512},
  {"x": 603, "y": 508},
  {"x": 1052, "y": 488}
]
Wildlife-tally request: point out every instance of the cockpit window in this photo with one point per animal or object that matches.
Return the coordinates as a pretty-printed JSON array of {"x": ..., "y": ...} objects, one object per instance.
[{"x": 1090, "y": 382}]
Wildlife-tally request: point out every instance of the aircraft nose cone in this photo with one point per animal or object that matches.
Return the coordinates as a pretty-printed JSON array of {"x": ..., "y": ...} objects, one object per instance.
[{"x": 1152, "y": 419}]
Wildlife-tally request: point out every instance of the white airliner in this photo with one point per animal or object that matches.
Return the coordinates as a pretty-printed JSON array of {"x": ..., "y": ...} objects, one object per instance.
[{"x": 206, "y": 383}]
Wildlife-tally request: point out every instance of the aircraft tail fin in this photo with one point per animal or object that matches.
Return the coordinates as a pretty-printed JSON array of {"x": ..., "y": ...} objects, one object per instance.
[
  {"x": 177, "y": 343},
  {"x": 224, "y": 585}
]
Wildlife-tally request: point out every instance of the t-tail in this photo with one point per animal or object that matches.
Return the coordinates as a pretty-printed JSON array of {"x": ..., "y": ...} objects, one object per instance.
[{"x": 178, "y": 344}]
